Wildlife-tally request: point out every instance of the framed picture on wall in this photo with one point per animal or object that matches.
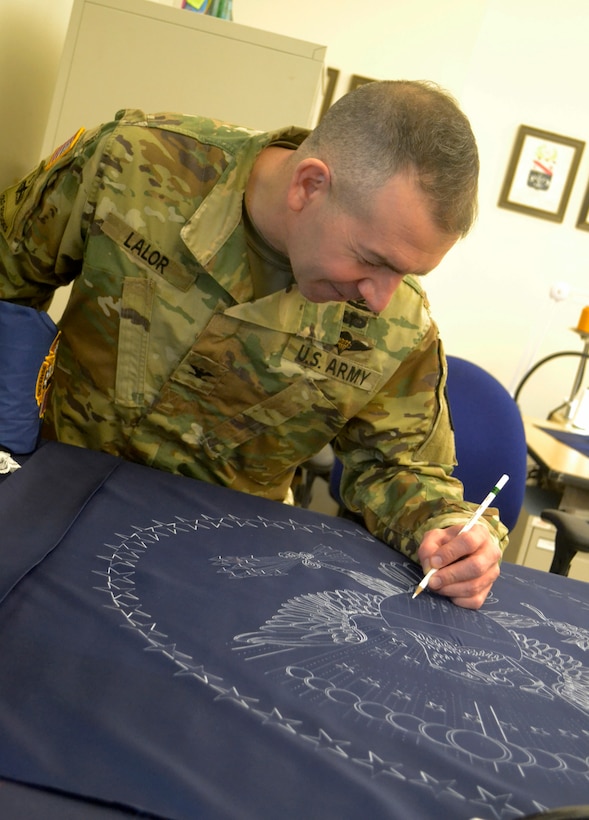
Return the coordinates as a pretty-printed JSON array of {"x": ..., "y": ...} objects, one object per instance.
[
  {"x": 357, "y": 79},
  {"x": 332, "y": 75},
  {"x": 583, "y": 218},
  {"x": 540, "y": 174}
]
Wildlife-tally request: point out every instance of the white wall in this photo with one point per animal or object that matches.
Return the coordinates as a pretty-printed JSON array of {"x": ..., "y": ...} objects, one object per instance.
[
  {"x": 31, "y": 37},
  {"x": 526, "y": 69},
  {"x": 509, "y": 63}
]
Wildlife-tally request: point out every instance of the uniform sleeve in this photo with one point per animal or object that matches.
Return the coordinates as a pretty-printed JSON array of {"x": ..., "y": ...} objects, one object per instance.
[
  {"x": 43, "y": 219},
  {"x": 399, "y": 453}
]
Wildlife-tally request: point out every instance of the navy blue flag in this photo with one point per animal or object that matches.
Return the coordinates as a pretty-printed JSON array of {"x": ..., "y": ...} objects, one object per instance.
[
  {"x": 577, "y": 441},
  {"x": 176, "y": 648}
]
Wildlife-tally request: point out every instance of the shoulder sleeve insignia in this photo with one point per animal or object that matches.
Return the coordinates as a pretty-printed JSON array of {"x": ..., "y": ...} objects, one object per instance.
[
  {"x": 63, "y": 149},
  {"x": 44, "y": 377}
]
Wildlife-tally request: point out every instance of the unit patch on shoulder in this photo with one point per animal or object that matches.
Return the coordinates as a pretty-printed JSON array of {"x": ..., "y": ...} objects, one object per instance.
[
  {"x": 63, "y": 149},
  {"x": 44, "y": 377}
]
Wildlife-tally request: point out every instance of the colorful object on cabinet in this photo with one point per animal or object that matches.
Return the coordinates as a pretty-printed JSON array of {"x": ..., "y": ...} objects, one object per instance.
[{"x": 215, "y": 8}]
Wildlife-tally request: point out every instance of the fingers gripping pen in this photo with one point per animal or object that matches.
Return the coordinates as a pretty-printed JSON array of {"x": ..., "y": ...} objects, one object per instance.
[{"x": 469, "y": 524}]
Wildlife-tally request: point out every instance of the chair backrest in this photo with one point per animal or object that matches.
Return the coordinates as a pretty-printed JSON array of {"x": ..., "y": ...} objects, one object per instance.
[{"x": 490, "y": 437}]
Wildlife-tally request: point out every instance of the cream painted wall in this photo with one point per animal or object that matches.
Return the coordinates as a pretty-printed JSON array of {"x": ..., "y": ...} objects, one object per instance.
[
  {"x": 507, "y": 63},
  {"x": 31, "y": 38},
  {"x": 409, "y": 38},
  {"x": 526, "y": 69}
]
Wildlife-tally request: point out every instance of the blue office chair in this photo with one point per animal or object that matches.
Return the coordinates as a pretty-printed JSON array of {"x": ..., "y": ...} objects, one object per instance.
[{"x": 490, "y": 439}]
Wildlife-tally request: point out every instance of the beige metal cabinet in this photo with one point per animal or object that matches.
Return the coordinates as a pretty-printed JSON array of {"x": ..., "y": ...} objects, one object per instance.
[{"x": 141, "y": 54}]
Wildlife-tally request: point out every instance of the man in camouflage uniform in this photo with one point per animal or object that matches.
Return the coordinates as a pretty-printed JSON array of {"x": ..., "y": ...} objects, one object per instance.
[{"x": 232, "y": 307}]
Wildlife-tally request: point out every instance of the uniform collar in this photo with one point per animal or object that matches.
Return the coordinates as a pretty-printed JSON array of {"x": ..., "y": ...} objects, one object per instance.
[
  {"x": 288, "y": 311},
  {"x": 215, "y": 233}
]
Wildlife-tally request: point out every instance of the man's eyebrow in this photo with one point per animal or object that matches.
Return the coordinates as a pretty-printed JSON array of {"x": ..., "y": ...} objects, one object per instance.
[{"x": 376, "y": 258}]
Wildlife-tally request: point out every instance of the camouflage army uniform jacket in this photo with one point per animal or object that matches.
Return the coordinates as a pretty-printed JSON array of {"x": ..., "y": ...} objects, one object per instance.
[{"x": 166, "y": 357}]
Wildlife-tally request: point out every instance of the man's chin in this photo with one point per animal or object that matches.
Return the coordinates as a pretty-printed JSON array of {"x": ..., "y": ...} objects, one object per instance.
[{"x": 323, "y": 294}]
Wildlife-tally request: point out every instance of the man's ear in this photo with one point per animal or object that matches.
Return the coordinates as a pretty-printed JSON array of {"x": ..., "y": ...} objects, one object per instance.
[{"x": 311, "y": 178}]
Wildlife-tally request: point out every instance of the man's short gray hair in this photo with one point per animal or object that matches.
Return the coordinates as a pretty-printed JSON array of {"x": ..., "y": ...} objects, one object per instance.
[{"x": 382, "y": 128}]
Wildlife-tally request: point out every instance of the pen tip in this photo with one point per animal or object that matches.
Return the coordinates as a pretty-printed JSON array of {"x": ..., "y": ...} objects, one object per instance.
[{"x": 416, "y": 593}]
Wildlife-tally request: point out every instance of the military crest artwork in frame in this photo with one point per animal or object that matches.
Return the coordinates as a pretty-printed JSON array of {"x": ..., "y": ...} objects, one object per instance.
[
  {"x": 540, "y": 173},
  {"x": 583, "y": 217}
]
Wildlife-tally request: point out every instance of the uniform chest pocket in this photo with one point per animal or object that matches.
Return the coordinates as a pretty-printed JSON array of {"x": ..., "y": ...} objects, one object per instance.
[
  {"x": 290, "y": 414},
  {"x": 133, "y": 343},
  {"x": 248, "y": 445},
  {"x": 262, "y": 444}
]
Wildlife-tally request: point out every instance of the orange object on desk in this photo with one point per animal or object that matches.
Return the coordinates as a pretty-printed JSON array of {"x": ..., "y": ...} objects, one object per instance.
[{"x": 583, "y": 326}]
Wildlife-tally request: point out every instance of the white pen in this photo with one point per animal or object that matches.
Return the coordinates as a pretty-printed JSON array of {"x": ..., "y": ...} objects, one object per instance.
[{"x": 469, "y": 524}]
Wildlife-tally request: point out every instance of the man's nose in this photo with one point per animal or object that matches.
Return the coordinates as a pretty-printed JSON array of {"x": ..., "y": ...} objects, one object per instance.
[{"x": 377, "y": 292}]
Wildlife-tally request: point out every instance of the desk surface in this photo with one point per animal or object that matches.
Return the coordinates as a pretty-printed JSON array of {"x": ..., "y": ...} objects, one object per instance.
[
  {"x": 562, "y": 461},
  {"x": 174, "y": 648}
]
